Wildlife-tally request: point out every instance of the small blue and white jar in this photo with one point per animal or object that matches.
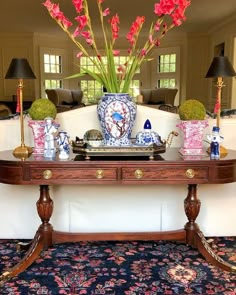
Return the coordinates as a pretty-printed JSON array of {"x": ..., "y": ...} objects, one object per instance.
[{"x": 147, "y": 136}]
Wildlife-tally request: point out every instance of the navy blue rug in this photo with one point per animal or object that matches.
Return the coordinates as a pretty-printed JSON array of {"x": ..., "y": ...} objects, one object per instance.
[{"x": 117, "y": 268}]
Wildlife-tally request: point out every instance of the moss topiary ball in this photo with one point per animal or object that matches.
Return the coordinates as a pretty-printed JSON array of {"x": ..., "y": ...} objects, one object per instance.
[
  {"x": 192, "y": 109},
  {"x": 42, "y": 108}
]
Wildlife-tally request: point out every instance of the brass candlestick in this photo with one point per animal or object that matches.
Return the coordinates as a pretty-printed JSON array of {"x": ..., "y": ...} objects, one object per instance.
[
  {"x": 219, "y": 68},
  {"x": 20, "y": 69}
]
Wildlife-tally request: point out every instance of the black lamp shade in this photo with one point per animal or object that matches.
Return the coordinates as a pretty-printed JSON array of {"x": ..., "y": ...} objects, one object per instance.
[
  {"x": 19, "y": 69},
  {"x": 220, "y": 67}
]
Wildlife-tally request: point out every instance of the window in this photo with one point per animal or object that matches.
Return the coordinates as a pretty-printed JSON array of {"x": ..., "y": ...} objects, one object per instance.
[
  {"x": 166, "y": 65},
  {"x": 53, "y": 64},
  {"x": 166, "y": 69},
  {"x": 51, "y": 84}
]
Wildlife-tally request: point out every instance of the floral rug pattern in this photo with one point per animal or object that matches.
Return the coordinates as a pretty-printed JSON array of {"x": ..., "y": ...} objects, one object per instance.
[{"x": 120, "y": 268}]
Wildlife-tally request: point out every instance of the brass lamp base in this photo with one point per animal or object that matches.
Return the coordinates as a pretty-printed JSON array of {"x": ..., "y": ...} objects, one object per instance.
[{"x": 22, "y": 151}]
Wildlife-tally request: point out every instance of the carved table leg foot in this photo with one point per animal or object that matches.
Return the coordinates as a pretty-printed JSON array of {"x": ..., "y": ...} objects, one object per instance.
[
  {"x": 42, "y": 239},
  {"x": 30, "y": 256},
  {"x": 195, "y": 237},
  {"x": 206, "y": 250}
]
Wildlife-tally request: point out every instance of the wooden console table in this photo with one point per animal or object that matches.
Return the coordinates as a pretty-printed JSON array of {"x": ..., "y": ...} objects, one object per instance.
[{"x": 169, "y": 168}]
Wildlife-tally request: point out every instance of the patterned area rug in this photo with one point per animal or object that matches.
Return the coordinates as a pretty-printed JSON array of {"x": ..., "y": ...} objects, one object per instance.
[{"x": 121, "y": 268}]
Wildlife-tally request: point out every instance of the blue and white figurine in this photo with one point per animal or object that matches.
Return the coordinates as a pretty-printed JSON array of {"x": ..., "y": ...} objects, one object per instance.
[
  {"x": 215, "y": 139},
  {"x": 50, "y": 128},
  {"x": 64, "y": 145},
  {"x": 147, "y": 136}
]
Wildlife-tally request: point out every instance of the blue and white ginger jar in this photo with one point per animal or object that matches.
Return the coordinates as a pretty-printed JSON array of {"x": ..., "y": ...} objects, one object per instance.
[{"x": 116, "y": 114}]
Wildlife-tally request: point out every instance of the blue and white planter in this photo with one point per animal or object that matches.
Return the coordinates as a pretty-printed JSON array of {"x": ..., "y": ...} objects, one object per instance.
[{"x": 117, "y": 114}]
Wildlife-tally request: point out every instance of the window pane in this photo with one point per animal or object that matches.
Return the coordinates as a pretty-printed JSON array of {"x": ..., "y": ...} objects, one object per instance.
[
  {"x": 51, "y": 84},
  {"x": 166, "y": 83},
  {"x": 92, "y": 91},
  {"x": 135, "y": 88},
  {"x": 167, "y": 63},
  {"x": 173, "y": 58},
  {"x": 172, "y": 68},
  {"x": 52, "y": 63},
  {"x": 46, "y": 58},
  {"x": 46, "y": 68}
]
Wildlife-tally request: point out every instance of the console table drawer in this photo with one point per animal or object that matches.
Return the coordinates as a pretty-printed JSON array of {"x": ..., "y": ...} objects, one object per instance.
[
  {"x": 168, "y": 173},
  {"x": 74, "y": 174}
]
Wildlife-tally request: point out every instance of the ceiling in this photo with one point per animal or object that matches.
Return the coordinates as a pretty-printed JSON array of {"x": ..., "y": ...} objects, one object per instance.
[{"x": 31, "y": 16}]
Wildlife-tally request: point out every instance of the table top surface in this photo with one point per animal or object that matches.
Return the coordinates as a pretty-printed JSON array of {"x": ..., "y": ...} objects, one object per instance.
[
  {"x": 168, "y": 168},
  {"x": 170, "y": 155}
]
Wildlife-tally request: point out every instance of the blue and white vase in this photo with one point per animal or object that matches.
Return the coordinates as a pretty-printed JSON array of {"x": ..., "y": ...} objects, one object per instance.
[{"x": 116, "y": 113}]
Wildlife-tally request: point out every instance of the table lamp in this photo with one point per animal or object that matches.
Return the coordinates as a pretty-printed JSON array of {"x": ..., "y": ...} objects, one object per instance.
[
  {"x": 219, "y": 68},
  {"x": 20, "y": 69}
]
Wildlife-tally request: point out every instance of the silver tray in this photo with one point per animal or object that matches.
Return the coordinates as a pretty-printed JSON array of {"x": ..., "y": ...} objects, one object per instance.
[{"x": 122, "y": 151}]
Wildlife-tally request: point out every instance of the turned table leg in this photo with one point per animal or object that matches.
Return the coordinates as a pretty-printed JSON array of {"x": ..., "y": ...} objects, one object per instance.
[
  {"x": 192, "y": 207},
  {"x": 45, "y": 209}
]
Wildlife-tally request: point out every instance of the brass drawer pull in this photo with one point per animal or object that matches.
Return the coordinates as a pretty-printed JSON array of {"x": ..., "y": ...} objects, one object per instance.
[
  {"x": 99, "y": 174},
  {"x": 190, "y": 173},
  {"x": 138, "y": 173},
  {"x": 47, "y": 174}
]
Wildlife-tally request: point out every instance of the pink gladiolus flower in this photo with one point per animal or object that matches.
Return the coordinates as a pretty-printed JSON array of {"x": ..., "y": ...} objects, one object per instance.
[
  {"x": 157, "y": 43},
  {"x": 164, "y": 8},
  {"x": 178, "y": 16},
  {"x": 79, "y": 54},
  {"x": 116, "y": 52},
  {"x": 130, "y": 38},
  {"x": 157, "y": 26},
  {"x": 115, "y": 26},
  {"x": 168, "y": 6},
  {"x": 168, "y": 14},
  {"x": 151, "y": 39},
  {"x": 82, "y": 20},
  {"x": 106, "y": 12},
  {"x": 121, "y": 69},
  {"x": 78, "y": 4},
  {"x": 87, "y": 37},
  {"x": 56, "y": 13},
  {"x": 89, "y": 41},
  {"x": 143, "y": 52},
  {"x": 135, "y": 28},
  {"x": 76, "y": 32},
  {"x": 66, "y": 23},
  {"x": 85, "y": 34},
  {"x": 48, "y": 4}
]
